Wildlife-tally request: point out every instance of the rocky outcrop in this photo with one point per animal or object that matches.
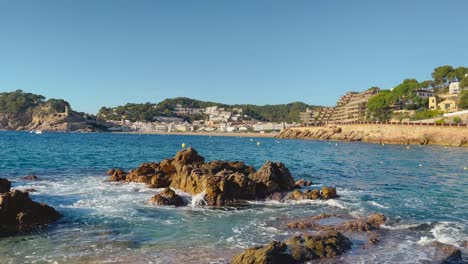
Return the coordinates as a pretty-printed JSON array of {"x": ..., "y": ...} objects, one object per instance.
[
  {"x": 116, "y": 174},
  {"x": 297, "y": 249},
  {"x": 383, "y": 133},
  {"x": 222, "y": 182},
  {"x": 19, "y": 213},
  {"x": 168, "y": 197},
  {"x": 5, "y": 185}
]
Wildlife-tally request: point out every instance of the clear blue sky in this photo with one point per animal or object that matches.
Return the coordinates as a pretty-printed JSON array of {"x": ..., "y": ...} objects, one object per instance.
[{"x": 109, "y": 52}]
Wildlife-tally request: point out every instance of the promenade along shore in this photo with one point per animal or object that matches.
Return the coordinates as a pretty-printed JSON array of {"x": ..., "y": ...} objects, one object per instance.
[{"x": 384, "y": 134}]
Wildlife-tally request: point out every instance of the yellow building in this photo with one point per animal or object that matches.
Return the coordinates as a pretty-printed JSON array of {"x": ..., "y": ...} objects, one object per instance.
[
  {"x": 432, "y": 102},
  {"x": 447, "y": 105}
]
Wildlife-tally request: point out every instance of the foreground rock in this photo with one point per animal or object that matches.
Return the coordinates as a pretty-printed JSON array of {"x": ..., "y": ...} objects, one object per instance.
[
  {"x": 168, "y": 197},
  {"x": 223, "y": 183},
  {"x": 19, "y": 213},
  {"x": 5, "y": 185},
  {"x": 297, "y": 249}
]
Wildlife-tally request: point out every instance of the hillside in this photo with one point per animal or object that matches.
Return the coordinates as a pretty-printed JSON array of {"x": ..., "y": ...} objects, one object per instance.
[
  {"x": 27, "y": 111},
  {"x": 148, "y": 111}
]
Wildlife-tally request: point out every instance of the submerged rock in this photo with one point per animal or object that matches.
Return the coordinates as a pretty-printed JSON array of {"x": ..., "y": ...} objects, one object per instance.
[
  {"x": 297, "y": 249},
  {"x": 19, "y": 213},
  {"x": 446, "y": 254},
  {"x": 326, "y": 193},
  {"x": 222, "y": 182},
  {"x": 31, "y": 177},
  {"x": 5, "y": 185},
  {"x": 168, "y": 197}
]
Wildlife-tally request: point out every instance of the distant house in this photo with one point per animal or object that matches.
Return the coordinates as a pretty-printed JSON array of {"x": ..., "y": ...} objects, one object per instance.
[
  {"x": 447, "y": 106},
  {"x": 454, "y": 87},
  {"x": 423, "y": 93}
]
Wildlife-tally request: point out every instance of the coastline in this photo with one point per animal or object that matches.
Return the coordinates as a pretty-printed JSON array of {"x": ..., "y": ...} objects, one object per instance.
[
  {"x": 383, "y": 134},
  {"x": 206, "y": 134}
]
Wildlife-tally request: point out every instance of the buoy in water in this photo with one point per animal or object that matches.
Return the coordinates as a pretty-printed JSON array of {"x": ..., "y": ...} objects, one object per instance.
[
  {"x": 251, "y": 139},
  {"x": 183, "y": 145},
  {"x": 465, "y": 168},
  {"x": 258, "y": 143},
  {"x": 408, "y": 147},
  {"x": 420, "y": 165}
]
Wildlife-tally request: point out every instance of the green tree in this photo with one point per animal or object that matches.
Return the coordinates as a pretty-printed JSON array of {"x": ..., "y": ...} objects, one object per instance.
[
  {"x": 463, "y": 104},
  {"x": 378, "y": 106},
  {"x": 441, "y": 75}
]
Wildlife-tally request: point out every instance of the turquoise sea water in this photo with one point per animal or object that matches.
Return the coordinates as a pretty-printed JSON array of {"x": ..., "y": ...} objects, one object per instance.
[{"x": 422, "y": 190}]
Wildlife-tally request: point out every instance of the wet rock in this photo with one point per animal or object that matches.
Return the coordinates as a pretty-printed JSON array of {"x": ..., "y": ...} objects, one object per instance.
[
  {"x": 376, "y": 219},
  {"x": 5, "y": 185},
  {"x": 312, "y": 194},
  {"x": 272, "y": 177},
  {"x": 151, "y": 173},
  {"x": 296, "y": 195},
  {"x": 29, "y": 190},
  {"x": 328, "y": 192},
  {"x": 116, "y": 174},
  {"x": 228, "y": 189},
  {"x": 273, "y": 253},
  {"x": 302, "y": 183},
  {"x": 30, "y": 177},
  {"x": 323, "y": 245},
  {"x": 19, "y": 213},
  {"x": 446, "y": 254},
  {"x": 168, "y": 197},
  {"x": 277, "y": 196}
]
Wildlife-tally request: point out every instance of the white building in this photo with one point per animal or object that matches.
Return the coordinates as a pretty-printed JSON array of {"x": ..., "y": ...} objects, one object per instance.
[
  {"x": 454, "y": 88},
  {"x": 423, "y": 93}
]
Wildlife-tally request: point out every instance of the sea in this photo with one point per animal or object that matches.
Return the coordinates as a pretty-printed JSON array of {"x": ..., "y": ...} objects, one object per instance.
[{"x": 423, "y": 191}]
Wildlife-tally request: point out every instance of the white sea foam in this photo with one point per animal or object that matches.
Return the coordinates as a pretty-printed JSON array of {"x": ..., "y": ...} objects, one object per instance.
[
  {"x": 446, "y": 232},
  {"x": 374, "y": 203},
  {"x": 199, "y": 199}
]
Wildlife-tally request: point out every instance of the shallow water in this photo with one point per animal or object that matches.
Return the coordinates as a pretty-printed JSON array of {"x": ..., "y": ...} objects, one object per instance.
[{"x": 422, "y": 190}]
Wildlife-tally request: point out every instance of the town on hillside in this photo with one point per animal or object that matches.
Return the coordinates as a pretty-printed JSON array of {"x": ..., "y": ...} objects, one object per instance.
[
  {"x": 444, "y": 100},
  {"x": 216, "y": 119}
]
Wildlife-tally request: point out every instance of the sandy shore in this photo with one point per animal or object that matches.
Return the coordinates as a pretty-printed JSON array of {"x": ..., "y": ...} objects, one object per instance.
[{"x": 211, "y": 134}]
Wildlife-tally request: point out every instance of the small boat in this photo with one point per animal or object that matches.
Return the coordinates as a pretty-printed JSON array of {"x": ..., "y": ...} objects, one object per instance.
[{"x": 38, "y": 132}]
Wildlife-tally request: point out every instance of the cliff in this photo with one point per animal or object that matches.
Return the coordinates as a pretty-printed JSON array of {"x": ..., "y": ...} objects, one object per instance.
[
  {"x": 26, "y": 111},
  {"x": 383, "y": 133}
]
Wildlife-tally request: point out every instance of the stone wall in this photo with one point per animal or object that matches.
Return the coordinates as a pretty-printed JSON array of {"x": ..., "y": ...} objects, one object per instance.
[{"x": 383, "y": 133}]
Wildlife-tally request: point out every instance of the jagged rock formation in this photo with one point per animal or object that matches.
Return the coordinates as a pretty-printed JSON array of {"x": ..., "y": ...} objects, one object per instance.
[
  {"x": 222, "y": 182},
  {"x": 19, "y": 213}
]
